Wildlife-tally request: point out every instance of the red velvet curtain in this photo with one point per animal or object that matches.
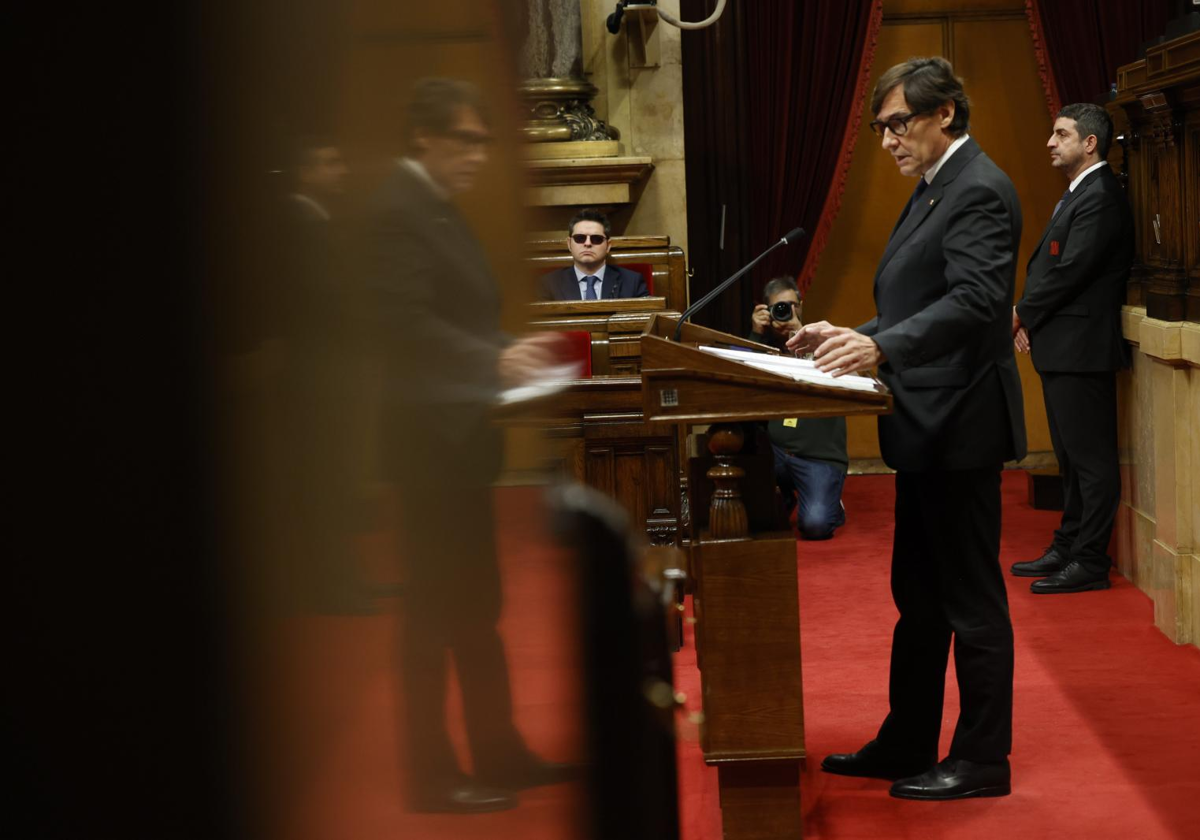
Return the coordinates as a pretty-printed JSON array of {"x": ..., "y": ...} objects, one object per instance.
[
  {"x": 1081, "y": 43},
  {"x": 807, "y": 78},
  {"x": 772, "y": 101}
]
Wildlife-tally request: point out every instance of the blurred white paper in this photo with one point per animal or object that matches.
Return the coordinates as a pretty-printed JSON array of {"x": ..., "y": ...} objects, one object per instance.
[{"x": 547, "y": 382}]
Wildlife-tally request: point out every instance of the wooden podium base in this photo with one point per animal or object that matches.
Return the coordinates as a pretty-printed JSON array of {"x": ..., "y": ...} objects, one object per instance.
[{"x": 760, "y": 800}]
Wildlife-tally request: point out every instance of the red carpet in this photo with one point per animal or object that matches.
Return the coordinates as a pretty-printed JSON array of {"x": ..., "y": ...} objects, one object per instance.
[
  {"x": 1106, "y": 717},
  {"x": 1107, "y": 725}
]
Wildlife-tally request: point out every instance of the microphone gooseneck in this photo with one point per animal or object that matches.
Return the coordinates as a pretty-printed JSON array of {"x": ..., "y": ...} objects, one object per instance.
[{"x": 792, "y": 235}]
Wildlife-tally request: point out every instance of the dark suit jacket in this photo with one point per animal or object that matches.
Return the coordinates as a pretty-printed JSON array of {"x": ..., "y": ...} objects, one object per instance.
[
  {"x": 942, "y": 293},
  {"x": 618, "y": 283},
  {"x": 1075, "y": 281},
  {"x": 437, "y": 311}
]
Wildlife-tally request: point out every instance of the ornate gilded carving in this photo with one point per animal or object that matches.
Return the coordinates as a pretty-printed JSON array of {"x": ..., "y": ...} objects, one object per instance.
[{"x": 560, "y": 109}]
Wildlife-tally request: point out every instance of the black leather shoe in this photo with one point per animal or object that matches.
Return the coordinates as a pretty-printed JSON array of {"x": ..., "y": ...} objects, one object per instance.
[
  {"x": 874, "y": 763},
  {"x": 465, "y": 798},
  {"x": 1074, "y": 578},
  {"x": 1047, "y": 564},
  {"x": 956, "y": 779}
]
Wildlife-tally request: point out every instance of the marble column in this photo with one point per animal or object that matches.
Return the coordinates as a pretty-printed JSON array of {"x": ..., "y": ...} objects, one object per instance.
[{"x": 551, "y": 62}]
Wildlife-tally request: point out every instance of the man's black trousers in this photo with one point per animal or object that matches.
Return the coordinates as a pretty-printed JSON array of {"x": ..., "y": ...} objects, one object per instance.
[
  {"x": 1082, "y": 411},
  {"x": 947, "y": 585}
]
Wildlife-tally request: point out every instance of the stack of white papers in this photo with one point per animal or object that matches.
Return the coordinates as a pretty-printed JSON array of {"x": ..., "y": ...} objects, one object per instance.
[
  {"x": 801, "y": 370},
  {"x": 549, "y": 381}
]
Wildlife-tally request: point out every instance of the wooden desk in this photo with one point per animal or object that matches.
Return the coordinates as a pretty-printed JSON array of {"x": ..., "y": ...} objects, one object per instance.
[
  {"x": 625, "y": 436},
  {"x": 616, "y": 327},
  {"x": 745, "y": 591}
]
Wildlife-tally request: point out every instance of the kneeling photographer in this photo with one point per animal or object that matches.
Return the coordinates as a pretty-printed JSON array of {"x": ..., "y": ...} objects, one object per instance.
[{"x": 810, "y": 453}]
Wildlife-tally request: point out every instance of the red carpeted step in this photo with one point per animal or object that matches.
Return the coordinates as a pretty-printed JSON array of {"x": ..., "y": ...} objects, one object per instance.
[
  {"x": 1106, "y": 717},
  {"x": 1107, "y": 711}
]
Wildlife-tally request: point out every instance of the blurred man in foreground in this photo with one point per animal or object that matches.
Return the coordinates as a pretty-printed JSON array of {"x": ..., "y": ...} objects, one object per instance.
[{"x": 444, "y": 360}]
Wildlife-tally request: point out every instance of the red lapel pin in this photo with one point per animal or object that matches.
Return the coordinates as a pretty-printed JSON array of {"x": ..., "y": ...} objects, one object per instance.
[{"x": 1054, "y": 247}]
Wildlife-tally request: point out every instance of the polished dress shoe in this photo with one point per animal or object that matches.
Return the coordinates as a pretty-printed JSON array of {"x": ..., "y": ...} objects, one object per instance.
[
  {"x": 872, "y": 761},
  {"x": 1074, "y": 578},
  {"x": 1047, "y": 564},
  {"x": 462, "y": 798},
  {"x": 956, "y": 779}
]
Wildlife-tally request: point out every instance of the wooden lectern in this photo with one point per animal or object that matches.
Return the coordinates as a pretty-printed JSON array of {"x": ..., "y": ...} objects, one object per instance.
[{"x": 744, "y": 589}]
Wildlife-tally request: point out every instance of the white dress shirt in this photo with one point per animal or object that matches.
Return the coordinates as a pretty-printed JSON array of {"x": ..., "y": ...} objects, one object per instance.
[
  {"x": 933, "y": 170},
  {"x": 422, "y": 174},
  {"x": 1085, "y": 173}
]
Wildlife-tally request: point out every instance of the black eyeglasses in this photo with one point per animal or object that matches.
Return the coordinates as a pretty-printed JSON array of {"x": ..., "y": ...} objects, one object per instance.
[
  {"x": 898, "y": 125},
  {"x": 585, "y": 238}
]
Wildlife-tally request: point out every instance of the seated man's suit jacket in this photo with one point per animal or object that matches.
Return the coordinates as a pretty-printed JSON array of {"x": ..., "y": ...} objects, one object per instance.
[
  {"x": 618, "y": 283},
  {"x": 943, "y": 293},
  {"x": 1076, "y": 281}
]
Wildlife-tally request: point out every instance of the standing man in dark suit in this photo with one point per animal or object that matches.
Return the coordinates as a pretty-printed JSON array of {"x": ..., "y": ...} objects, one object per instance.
[
  {"x": 444, "y": 360},
  {"x": 315, "y": 301},
  {"x": 1070, "y": 319},
  {"x": 590, "y": 277},
  {"x": 942, "y": 342}
]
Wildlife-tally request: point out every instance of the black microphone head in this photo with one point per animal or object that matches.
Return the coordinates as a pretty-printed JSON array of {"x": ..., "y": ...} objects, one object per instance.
[
  {"x": 613, "y": 22},
  {"x": 793, "y": 234}
]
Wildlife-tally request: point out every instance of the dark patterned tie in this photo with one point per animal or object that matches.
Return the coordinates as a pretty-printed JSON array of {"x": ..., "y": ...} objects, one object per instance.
[
  {"x": 1066, "y": 194},
  {"x": 912, "y": 202}
]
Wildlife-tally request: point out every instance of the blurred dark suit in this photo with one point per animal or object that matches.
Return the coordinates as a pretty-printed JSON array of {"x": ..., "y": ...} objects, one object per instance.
[
  {"x": 439, "y": 343},
  {"x": 616, "y": 282},
  {"x": 1072, "y": 308},
  {"x": 314, "y": 307},
  {"x": 942, "y": 293}
]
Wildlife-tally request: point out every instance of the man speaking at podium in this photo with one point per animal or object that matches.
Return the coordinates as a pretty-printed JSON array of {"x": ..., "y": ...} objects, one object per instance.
[{"x": 942, "y": 340}]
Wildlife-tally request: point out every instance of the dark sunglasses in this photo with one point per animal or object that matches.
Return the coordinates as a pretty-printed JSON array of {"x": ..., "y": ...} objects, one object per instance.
[{"x": 583, "y": 238}]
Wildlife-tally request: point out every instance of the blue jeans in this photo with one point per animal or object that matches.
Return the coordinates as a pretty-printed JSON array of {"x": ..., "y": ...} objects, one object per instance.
[{"x": 815, "y": 487}]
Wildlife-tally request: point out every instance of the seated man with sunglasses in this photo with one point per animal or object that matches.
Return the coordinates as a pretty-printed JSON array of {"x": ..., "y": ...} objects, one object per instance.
[
  {"x": 810, "y": 452},
  {"x": 589, "y": 277}
]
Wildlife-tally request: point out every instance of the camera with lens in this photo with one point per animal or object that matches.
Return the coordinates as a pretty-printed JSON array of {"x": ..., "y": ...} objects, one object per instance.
[{"x": 781, "y": 310}]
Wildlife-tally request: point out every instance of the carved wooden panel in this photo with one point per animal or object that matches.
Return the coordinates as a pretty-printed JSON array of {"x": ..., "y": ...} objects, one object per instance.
[
  {"x": 1157, "y": 109},
  {"x": 637, "y": 467}
]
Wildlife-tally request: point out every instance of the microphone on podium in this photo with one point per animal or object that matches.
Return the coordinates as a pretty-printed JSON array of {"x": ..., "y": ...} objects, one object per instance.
[{"x": 791, "y": 236}]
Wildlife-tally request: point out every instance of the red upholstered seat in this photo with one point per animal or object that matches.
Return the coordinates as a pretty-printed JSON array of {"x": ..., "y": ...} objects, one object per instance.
[
  {"x": 644, "y": 269},
  {"x": 577, "y": 347}
]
